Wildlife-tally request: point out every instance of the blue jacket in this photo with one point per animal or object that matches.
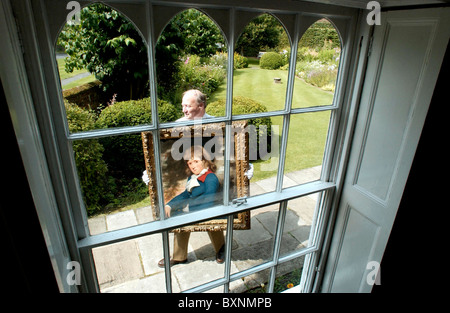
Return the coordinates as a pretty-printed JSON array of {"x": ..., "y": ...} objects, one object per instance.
[{"x": 201, "y": 197}]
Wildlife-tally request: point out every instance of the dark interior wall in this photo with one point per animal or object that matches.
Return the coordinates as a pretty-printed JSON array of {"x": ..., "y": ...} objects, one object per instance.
[{"x": 25, "y": 261}]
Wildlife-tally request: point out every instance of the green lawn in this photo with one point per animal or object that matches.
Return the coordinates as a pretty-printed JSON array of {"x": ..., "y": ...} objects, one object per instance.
[
  {"x": 62, "y": 72},
  {"x": 307, "y": 133},
  {"x": 64, "y": 75},
  {"x": 79, "y": 82}
]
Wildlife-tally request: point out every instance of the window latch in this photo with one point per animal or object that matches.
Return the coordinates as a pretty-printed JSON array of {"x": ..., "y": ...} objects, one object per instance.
[{"x": 239, "y": 201}]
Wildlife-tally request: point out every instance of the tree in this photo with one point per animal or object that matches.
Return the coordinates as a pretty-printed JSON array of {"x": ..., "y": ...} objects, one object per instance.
[
  {"x": 189, "y": 33},
  {"x": 262, "y": 32},
  {"x": 108, "y": 46},
  {"x": 202, "y": 35}
]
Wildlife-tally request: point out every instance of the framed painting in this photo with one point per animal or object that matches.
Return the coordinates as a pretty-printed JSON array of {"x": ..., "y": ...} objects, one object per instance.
[{"x": 173, "y": 141}]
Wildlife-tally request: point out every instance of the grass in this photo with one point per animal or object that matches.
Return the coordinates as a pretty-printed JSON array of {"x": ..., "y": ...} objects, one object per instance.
[
  {"x": 62, "y": 72},
  {"x": 307, "y": 132},
  {"x": 79, "y": 82},
  {"x": 64, "y": 75}
]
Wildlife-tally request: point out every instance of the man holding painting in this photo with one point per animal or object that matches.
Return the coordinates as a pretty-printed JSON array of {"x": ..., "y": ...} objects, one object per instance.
[{"x": 202, "y": 184}]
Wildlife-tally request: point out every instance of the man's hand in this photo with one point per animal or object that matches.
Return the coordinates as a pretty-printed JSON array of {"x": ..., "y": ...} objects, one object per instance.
[
  {"x": 249, "y": 173},
  {"x": 145, "y": 177}
]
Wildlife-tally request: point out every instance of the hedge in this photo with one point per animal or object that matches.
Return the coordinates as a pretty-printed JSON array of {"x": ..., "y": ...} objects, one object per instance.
[
  {"x": 108, "y": 167},
  {"x": 243, "y": 105},
  {"x": 320, "y": 32},
  {"x": 92, "y": 169},
  {"x": 124, "y": 154}
]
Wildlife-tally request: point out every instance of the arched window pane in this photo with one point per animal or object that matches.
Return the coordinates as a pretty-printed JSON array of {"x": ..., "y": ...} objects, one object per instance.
[
  {"x": 261, "y": 63},
  {"x": 103, "y": 66},
  {"x": 102, "y": 63},
  {"x": 190, "y": 54},
  {"x": 317, "y": 66}
]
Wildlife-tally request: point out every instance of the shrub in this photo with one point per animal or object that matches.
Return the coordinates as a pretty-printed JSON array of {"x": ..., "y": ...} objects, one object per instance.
[
  {"x": 242, "y": 105},
  {"x": 240, "y": 61},
  {"x": 326, "y": 56},
  {"x": 271, "y": 61},
  {"x": 221, "y": 59},
  {"x": 124, "y": 154},
  {"x": 92, "y": 169},
  {"x": 193, "y": 74},
  {"x": 318, "y": 74}
]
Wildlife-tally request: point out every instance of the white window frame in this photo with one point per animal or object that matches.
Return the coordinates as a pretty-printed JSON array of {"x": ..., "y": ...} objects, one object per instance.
[{"x": 48, "y": 142}]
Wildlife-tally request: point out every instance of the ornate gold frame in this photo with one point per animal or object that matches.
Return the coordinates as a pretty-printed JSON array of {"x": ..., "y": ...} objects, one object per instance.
[{"x": 239, "y": 164}]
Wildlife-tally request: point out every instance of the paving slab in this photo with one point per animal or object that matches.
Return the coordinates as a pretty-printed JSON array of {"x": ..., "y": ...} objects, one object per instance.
[
  {"x": 255, "y": 234},
  {"x": 305, "y": 175},
  {"x": 304, "y": 207},
  {"x": 198, "y": 272},
  {"x": 121, "y": 220},
  {"x": 97, "y": 225},
  {"x": 144, "y": 215},
  {"x": 268, "y": 184},
  {"x": 117, "y": 263},
  {"x": 151, "y": 284}
]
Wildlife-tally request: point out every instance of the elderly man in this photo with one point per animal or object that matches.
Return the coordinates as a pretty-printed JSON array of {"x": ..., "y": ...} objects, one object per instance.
[{"x": 194, "y": 105}]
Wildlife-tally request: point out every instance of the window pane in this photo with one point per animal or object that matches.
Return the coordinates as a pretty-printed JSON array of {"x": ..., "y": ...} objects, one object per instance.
[
  {"x": 255, "y": 245},
  {"x": 264, "y": 153},
  {"x": 200, "y": 250},
  {"x": 300, "y": 219},
  {"x": 103, "y": 67},
  {"x": 305, "y": 148},
  {"x": 110, "y": 174},
  {"x": 318, "y": 58},
  {"x": 288, "y": 274},
  {"x": 261, "y": 61},
  {"x": 190, "y": 54}
]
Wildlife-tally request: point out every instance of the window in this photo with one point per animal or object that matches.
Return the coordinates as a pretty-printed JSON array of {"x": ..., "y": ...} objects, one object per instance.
[{"x": 119, "y": 235}]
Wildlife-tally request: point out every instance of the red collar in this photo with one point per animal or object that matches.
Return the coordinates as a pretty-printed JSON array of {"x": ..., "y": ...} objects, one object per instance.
[{"x": 203, "y": 177}]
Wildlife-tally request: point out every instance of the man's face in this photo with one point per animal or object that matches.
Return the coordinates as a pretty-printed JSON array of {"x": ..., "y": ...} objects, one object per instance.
[{"x": 191, "y": 108}]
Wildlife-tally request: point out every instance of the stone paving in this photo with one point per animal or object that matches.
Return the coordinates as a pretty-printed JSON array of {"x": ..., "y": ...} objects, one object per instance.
[{"x": 131, "y": 266}]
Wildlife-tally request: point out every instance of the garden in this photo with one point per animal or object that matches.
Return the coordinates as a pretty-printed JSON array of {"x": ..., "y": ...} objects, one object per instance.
[{"x": 189, "y": 55}]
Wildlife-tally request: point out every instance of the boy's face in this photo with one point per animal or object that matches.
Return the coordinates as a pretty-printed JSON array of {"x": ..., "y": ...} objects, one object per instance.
[{"x": 195, "y": 165}]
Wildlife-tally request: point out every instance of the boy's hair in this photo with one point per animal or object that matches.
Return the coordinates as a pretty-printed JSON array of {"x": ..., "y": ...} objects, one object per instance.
[{"x": 201, "y": 153}]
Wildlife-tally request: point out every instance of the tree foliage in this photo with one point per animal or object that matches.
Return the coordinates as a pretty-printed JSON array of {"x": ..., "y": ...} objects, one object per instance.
[
  {"x": 108, "y": 46},
  {"x": 261, "y": 33},
  {"x": 189, "y": 33}
]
